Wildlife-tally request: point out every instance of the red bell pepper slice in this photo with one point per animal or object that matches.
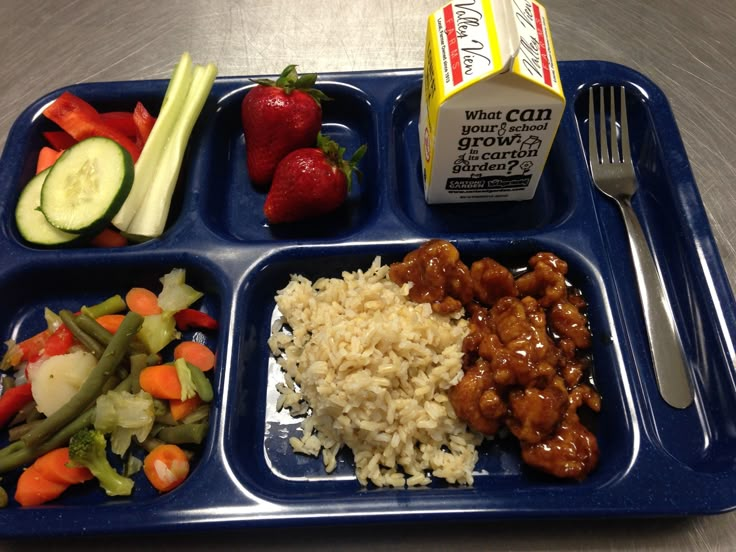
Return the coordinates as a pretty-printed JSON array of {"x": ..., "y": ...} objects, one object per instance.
[
  {"x": 59, "y": 342},
  {"x": 13, "y": 400},
  {"x": 121, "y": 120},
  {"x": 33, "y": 346},
  {"x": 144, "y": 122},
  {"x": 191, "y": 318},
  {"x": 81, "y": 121},
  {"x": 59, "y": 139}
]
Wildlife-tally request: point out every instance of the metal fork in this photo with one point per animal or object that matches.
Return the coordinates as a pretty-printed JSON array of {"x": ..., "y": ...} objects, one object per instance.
[{"x": 613, "y": 174}]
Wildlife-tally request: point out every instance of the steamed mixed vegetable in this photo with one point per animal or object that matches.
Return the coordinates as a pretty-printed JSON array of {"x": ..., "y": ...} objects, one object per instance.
[
  {"x": 106, "y": 391},
  {"x": 106, "y": 177}
]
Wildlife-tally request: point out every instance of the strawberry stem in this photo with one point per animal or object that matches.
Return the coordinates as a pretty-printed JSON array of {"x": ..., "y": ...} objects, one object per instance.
[
  {"x": 336, "y": 156},
  {"x": 289, "y": 80}
]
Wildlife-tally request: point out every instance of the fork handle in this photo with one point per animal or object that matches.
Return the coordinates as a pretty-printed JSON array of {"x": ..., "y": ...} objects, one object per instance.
[{"x": 668, "y": 356}]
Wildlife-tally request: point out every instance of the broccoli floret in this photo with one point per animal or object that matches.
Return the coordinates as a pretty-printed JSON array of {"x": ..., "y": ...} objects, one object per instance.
[{"x": 88, "y": 448}]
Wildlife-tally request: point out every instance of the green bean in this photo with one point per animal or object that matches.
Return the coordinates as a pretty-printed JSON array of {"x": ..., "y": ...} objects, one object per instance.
[
  {"x": 23, "y": 454},
  {"x": 183, "y": 433},
  {"x": 16, "y": 432},
  {"x": 93, "y": 328},
  {"x": 3, "y": 498},
  {"x": 95, "y": 347},
  {"x": 10, "y": 449},
  {"x": 92, "y": 385},
  {"x": 151, "y": 443},
  {"x": 201, "y": 384},
  {"x": 17, "y": 454},
  {"x": 137, "y": 363},
  {"x": 111, "y": 305}
]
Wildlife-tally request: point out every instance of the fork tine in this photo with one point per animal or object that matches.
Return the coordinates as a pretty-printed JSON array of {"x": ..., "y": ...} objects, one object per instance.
[
  {"x": 625, "y": 150},
  {"x": 613, "y": 127},
  {"x": 605, "y": 152},
  {"x": 592, "y": 142}
]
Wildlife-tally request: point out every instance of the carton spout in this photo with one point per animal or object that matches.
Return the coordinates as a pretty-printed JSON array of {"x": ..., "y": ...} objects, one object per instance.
[{"x": 509, "y": 40}]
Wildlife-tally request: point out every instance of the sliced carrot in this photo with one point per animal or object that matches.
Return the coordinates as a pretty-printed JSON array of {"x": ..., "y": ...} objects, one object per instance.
[
  {"x": 195, "y": 353},
  {"x": 54, "y": 467},
  {"x": 181, "y": 409},
  {"x": 166, "y": 467},
  {"x": 34, "y": 489},
  {"x": 143, "y": 301},
  {"x": 109, "y": 238},
  {"x": 111, "y": 322},
  {"x": 46, "y": 157},
  {"x": 161, "y": 381},
  {"x": 48, "y": 477}
]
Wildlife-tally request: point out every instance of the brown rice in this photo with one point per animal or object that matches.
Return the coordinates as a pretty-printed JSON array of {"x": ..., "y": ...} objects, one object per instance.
[{"x": 369, "y": 369}]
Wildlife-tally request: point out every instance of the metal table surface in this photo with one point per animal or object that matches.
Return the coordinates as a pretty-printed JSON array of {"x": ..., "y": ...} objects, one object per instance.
[{"x": 687, "y": 48}]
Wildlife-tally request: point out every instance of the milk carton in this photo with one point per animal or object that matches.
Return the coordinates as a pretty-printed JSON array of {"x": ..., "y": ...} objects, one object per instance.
[{"x": 491, "y": 101}]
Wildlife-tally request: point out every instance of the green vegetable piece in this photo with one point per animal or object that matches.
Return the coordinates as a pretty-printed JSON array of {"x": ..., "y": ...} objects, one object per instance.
[
  {"x": 87, "y": 185},
  {"x": 111, "y": 305},
  {"x": 185, "y": 379},
  {"x": 200, "y": 382},
  {"x": 157, "y": 331},
  {"x": 124, "y": 415},
  {"x": 88, "y": 448},
  {"x": 92, "y": 386},
  {"x": 94, "y": 346},
  {"x": 183, "y": 434},
  {"x": 3, "y": 498},
  {"x": 32, "y": 225},
  {"x": 143, "y": 215},
  {"x": 176, "y": 294}
]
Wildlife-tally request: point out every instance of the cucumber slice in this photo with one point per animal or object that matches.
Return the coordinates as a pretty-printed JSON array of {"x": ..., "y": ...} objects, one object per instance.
[
  {"x": 32, "y": 225},
  {"x": 87, "y": 185}
]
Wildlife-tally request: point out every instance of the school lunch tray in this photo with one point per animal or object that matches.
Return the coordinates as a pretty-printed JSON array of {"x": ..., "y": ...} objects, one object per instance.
[{"x": 655, "y": 460}]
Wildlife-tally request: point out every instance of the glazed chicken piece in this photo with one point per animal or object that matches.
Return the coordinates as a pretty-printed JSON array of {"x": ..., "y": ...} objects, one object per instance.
[
  {"x": 438, "y": 276},
  {"x": 572, "y": 451}
]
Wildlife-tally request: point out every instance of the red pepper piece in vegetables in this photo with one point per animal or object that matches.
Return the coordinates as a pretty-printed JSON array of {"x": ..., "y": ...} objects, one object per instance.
[
  {"x": 121, "y": 120},
  {"x": 143, "y": 122},
  {"x": 33, "y": 346},
  {"x": 13, "y": 400},
  {"x": 191, "y": 318},
  {"x": 59, "y": 139},
  {"x": 59, "y": 342},
  {"x": 81, "y": 121}
]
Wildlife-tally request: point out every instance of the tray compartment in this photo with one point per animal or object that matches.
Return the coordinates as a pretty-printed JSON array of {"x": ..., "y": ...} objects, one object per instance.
[
  {"x": 233, "y": 207},
  {"x": 74, "y": 281},
  {"x": 261, "y": 456},
  {"x": 26, "y": 139},
  {"x": 554, "y": 200},
  {"x": 702, "y": 436}
]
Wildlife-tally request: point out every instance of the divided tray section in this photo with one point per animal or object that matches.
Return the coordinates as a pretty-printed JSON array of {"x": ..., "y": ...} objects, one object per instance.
[
  {"x": 669, "y": 207},
  {"x": 554, "y": 201},
  {"x": 26, "y": 139},
  {"x": 232, "y": 205},
  {"x": 72, "y": 281},
  {"x": 261, "y": 456}
]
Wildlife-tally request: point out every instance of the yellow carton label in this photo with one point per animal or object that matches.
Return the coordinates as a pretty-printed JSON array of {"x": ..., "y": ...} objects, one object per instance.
[{"x": 491, "y": 100}]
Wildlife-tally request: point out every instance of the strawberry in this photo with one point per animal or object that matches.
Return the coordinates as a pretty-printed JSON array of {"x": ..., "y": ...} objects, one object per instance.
[
  {"x": 279, "y": 117},
  {"x": 310, "y": 182}
]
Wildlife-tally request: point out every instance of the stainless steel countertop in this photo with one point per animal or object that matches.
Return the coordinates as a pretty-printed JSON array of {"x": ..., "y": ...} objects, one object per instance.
[{"x": 687, "y": 48}]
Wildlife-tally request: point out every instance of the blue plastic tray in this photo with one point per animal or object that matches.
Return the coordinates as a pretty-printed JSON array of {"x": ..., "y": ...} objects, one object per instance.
[{"x": 655, "y": 460}]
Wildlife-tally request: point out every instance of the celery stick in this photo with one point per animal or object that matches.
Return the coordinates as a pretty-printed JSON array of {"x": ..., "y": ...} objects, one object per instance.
[
  {"x": 174, "y": 99},
  {"x": 150, "y": 219}
]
